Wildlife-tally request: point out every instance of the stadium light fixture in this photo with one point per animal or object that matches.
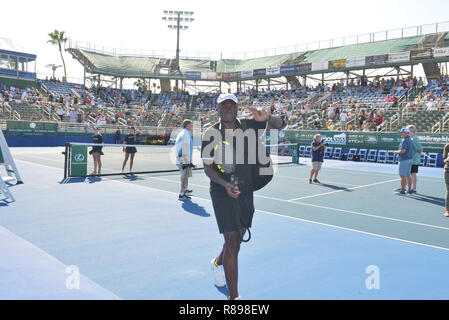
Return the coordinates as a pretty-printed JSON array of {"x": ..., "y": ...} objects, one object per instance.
[{"x": 178, "y": 17}]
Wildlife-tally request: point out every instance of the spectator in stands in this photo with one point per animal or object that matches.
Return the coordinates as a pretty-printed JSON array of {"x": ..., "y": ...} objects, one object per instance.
[
  {"x": 361, "y": 117},
  {"x": 343, "y": 119},
  {"x": 330, "y": 125},
  {"x": 73, "y": 115},
  {"x": 379, "y": 118},
  {"x": 60, "y": 113}
]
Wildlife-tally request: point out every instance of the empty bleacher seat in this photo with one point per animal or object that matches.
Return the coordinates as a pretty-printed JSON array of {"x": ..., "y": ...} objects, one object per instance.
[
  {"x": 390, "y": 156},
  {"x": 302, "y": 151},
  {"x": 351, "y": 153},
  {"x": 362, "y": 154},
  {"x": 328, "y": 153},
  {"x": 337, "y": 153},
  {"x": 372, "y": 155},
  {"x": 432, "y": 159},
  {"x": 382, "y": 156},
  {"x": 423, "y": 159},
  {"x": 308, "y": 153}
]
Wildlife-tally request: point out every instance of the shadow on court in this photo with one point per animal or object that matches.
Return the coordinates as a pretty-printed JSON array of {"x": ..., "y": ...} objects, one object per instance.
[
  {"x": 194, "y": 208},
  {"x": 334, "y": 187},
  {"x": 429, "y": 199},
  {"x": 132, "y": 177},
  {"x": 73, "y": 180}
]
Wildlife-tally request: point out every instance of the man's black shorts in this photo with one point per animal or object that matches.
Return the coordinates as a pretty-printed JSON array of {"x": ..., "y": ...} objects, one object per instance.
[
  {"x": 232, "y": 214},
  {"x": 415, "y": 168}
]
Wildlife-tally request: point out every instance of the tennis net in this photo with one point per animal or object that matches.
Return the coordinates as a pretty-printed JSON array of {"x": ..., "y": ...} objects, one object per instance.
[{"x": 79, "y": 159}]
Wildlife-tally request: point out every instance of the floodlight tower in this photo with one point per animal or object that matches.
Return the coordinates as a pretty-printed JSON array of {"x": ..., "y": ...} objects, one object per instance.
[{"x": 178, "y": 17}]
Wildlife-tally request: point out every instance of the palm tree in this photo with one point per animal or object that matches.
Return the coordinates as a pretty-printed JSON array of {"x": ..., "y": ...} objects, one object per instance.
[{"x": 57, "y": 38}]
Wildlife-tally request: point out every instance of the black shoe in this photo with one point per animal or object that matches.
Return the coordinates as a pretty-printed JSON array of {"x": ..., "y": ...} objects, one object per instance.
[
  {"x": 310, "y": 181},
  {"x": 316, "y": 181},
  {"x": 184, "y": 197},
  {"x": 188, "y": 191}
]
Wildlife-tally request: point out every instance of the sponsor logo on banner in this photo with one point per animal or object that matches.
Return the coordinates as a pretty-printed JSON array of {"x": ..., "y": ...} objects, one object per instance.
[
  {"x": 335, "y": 64},
  {"x": 287, "y": 69},
  {"x": 441, "y": 52},
  {"x": 204, "y": 75},
  {"x": 273, "y": 70},
  {"x": 259, "y": 72},
  {"x": 320, "y": 65},
  {"x": 374, "y": 60},
  {"x": 304, "y": 67},
  {"x": 235, "y": 75},
  {"x": 224, "y": 75},
  {"x": 211, "y": 75},
  {"x": 421, "y": 54},
  {"x": 247, "y": 74},
  {"x": 355, "y": 62},
  {"x": 193, "y": 75},
  {"x": 336, "y": 139},
  {"x": 398, "y": 57},
  {"x": 79, "y": 157}
]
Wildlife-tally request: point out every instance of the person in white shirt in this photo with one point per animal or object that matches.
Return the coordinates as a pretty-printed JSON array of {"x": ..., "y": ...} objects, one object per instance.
[
  {"x": 343, "y": 117},
  {"x": 60, "y": 113},
  {"x": 184, "y": 149}
]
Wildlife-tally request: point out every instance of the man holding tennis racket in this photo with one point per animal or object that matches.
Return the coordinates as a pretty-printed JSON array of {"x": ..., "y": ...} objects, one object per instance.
[{"x": 233, "y": 180}]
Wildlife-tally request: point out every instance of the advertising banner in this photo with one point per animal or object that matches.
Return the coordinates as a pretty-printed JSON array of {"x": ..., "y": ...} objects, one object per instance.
[
  {"x": 376, "y": 60},
  {"x": 247, "y": 74},
  {"x": 320, "y": 65},
  {"x": 287, "y": 69},
  {"x": 304, "y": 67},
  {"x": 273, "y": 70},
  {"x": 234, "y": 75},
  {"x": 441, "y": 52},
  {"x": 259, "y": 72},
  {"x": 398, "y": 57},
  {"x": 193, "y": 75},
  {"x": 355, "y": 62},
  {"x": 421, "y": 54},
  {"x": 336, "y": 64},
  {"x": 30, "y": 128}
]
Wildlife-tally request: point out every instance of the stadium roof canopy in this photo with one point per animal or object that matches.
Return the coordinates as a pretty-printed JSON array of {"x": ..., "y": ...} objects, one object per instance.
[
  {"x": 378, "y": 53},
  {"x": 7, "y": 46}
]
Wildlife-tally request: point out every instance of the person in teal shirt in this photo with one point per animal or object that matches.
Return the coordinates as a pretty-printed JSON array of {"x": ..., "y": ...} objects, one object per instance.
[{"x": 417, "y": 150}]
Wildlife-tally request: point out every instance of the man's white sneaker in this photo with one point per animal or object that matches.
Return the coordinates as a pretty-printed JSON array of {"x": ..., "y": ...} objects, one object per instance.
[{"x": 219, "y": 276}]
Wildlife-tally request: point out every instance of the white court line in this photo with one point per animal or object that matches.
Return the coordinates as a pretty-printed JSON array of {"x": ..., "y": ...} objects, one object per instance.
[
  {"x": 342, "y": 190},
  {"x": 286, "y": 216},
  {"x": 323, "y": 207},
  {"x": 306, "y": 179}
]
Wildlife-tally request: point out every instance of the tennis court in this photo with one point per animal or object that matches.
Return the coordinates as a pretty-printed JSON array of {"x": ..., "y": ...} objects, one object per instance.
[{"x": 130, "y": 237}]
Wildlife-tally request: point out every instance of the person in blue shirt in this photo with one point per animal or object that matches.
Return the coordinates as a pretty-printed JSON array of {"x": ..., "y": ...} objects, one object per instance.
[
  {"x": 129, "y": 139},
  {"x": 96, "y": 151},
  {"x": 405, "y": 153},
  {"x": 318, "y": 148},
  {"x": 118, "y": 136}
]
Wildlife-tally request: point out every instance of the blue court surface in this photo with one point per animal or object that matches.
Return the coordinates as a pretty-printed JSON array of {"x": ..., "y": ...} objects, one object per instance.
[{"x": 349, "y": 237}]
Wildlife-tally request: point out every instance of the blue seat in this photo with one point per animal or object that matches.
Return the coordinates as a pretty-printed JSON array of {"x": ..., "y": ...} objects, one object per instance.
[
  {"x": 362, "y": 154},
  {"x": 351, "y": 153},
  {"x": 432, "y": 160},
  {"x": 302, "y": 151},
  {"x": 328, "y": 153},
  {"x": 337, "y": 154},
  {"x": 423, "y": 159},
  {"x": 390, "y": 156},
  {"x": 308, "y": 153},
  {"x": 382, "y": 156},
  {"x": 372, "y": 155}
]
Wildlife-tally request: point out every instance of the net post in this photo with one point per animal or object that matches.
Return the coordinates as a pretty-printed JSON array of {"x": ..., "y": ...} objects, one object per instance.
[{"x": 65, "y": 153}]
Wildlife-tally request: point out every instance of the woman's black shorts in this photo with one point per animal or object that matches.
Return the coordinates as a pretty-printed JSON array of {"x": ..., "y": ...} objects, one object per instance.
[
  {"x": 232, "y": 214},
  {"x": 130, "y": 150},
  {"x": 415, "y": 168}
]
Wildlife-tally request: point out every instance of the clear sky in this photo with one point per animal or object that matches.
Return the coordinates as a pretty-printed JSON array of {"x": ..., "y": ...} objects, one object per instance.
[{"x": 219, "y": 26}]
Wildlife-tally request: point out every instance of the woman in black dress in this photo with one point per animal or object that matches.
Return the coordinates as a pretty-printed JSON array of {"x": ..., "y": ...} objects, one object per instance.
[
  {"x": 96, "y": 151},
  {"x": 129, "y": 139}
]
